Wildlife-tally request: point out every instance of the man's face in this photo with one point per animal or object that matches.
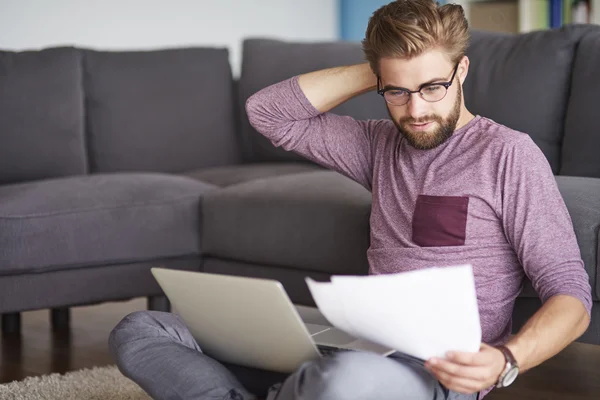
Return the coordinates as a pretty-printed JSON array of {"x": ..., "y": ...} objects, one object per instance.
[{"x": 424, "y": 124}]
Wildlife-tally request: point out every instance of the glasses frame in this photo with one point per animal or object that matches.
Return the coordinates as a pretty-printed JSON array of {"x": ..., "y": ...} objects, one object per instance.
[{"x": 382, "y": 91}]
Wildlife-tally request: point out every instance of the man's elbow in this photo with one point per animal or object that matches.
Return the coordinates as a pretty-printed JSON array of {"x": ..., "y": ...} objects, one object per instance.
[
  {"x": 256, "y": 114},
  {"x": 252, "y": 106},
  {"x": 575, "y": 307},
  {"x": 585, "y": 322}
]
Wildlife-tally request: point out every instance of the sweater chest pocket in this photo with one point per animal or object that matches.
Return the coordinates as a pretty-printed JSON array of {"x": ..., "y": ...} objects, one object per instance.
[{"x": 440, "y": 221}]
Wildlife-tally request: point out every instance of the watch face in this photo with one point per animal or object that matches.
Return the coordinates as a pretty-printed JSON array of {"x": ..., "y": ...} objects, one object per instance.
[{"x": 510, "y": 376}]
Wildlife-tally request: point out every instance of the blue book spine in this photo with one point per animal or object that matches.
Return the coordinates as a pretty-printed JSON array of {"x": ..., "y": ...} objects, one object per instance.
[{"x": 556, "y": 13}]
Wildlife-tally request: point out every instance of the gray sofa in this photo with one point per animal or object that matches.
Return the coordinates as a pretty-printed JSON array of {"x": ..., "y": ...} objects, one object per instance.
[{"x": 114, "y": 162}]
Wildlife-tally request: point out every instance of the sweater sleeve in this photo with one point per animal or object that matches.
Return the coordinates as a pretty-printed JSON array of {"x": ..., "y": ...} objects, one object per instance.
[
  {"x": 538, "y": 226},
  {"x": 283, "y": 114}
]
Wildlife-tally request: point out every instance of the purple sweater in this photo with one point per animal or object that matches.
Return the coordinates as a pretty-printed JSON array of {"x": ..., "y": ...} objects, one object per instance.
[{"x": 486, "y": 197}]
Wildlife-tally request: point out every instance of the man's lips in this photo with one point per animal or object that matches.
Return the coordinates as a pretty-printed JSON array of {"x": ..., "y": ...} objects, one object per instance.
[{"x": 421, "y": 126}]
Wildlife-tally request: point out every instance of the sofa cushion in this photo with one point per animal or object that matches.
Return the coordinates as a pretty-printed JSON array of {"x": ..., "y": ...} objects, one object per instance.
[
  {"x": 164, "y": 110},
  {"x": 41, "y": 115},
  {"x": 581, "y": 145},
  {"x": 98, "y": 220},
  {"x": 234, "y": 174},
  {"x": 316, "y": 221},
  {"x": 582, "y": 198},
  {"x": 267, "y": 61},
  {"x": 522, "y": 81}
]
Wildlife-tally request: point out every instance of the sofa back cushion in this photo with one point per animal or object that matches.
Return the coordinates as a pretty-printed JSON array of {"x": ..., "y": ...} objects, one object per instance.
[
  {"x": 163, "y": 110},
  {"x": 41, "y": 115},
  {"x": 266, "y": 62},
  {"x": 581, "y": 146},
  {"x": 523, "y": 82}
]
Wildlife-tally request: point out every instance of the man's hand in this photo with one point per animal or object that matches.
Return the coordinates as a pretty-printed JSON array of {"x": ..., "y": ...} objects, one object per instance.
[{"x": 468, "y": 373}]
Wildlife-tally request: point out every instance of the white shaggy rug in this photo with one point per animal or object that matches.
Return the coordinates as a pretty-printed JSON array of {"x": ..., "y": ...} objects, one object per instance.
[{"x": 100, "y": 383}]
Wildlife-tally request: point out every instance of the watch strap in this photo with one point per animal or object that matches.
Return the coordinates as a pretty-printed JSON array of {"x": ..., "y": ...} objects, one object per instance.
[
  {"x": 508, "y": 355},
  {"x": 511, "y": 363}
]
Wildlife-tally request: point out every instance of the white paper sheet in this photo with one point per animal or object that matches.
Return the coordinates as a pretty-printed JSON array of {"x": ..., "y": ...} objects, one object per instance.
[{"x": 423, "y": 313}]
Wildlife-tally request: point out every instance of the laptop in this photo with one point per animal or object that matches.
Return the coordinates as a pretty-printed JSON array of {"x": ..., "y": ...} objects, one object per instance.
[{"x": 251, "y": 321}]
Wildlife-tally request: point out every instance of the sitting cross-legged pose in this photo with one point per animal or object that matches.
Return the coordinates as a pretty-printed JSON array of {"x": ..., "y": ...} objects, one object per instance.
[{"x": 448, "y": 187}]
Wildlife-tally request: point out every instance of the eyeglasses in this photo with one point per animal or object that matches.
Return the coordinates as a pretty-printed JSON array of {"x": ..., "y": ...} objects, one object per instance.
[{"x": 430, "y": 92}]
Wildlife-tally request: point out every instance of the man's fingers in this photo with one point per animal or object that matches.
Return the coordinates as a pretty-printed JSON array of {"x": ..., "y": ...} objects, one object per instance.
[
  {"x": 463, "y": 358},
  {"x": 465, "y": 372},
  {"x": 482, "y": 358},
  {"x": 455, "y": 383},
  {"x": 457, "y": 370}
]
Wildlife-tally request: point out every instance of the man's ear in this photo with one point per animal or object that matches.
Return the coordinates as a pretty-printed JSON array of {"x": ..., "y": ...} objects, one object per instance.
[{"x": 463, "y": 69}]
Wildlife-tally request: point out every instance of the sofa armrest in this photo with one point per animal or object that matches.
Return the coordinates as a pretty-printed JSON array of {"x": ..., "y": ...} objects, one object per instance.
[{"x": 582, "y": 198}]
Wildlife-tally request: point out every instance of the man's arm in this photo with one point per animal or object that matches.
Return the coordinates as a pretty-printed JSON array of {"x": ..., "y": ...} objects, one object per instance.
[
  {"x": 560, "y": 321},
  {"x": 537, "y": 225},
  {"x": 293, "y": 115}
]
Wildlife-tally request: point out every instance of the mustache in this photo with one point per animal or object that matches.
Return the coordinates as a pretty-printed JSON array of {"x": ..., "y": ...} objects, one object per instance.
[{"x": 429, "y": 118}]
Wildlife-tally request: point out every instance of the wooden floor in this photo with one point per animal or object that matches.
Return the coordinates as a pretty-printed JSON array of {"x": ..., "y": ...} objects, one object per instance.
[{"x": 573, "y": 374}]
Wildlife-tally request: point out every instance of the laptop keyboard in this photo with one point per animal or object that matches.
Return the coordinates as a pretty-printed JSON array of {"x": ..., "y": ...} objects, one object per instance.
[{"x": 327, "y": 351}]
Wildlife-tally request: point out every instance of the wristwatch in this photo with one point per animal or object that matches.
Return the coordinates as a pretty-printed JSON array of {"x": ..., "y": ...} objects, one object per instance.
[{"x": 511, "y": 369}]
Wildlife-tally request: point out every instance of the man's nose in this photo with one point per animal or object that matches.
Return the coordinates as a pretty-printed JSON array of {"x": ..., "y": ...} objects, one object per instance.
[{"x": 417, "y": 107}]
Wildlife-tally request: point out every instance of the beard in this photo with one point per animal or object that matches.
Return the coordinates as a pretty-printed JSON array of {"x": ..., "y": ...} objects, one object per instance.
[{"x": 441, "y": 131}]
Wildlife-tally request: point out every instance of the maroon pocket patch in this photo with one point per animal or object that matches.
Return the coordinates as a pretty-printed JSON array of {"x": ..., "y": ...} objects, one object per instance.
[{"x": 440, "y": 221}]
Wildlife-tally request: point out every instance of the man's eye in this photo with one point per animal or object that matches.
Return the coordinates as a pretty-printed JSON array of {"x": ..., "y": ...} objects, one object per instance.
[
  {"x": 432, "y": 88},
  {"x": 396, "y": 93}
]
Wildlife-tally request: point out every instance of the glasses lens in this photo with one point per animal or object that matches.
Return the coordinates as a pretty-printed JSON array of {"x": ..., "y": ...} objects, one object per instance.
[
  {"x": 433, "y": 92},
  {"x": 397, "y": 97}
]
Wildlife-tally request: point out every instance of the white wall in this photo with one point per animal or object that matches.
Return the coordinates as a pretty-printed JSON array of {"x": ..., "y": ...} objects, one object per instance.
[{"x": 148, "y": 24}]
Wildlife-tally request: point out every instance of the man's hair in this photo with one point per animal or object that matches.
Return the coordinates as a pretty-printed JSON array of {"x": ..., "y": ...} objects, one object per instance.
[{"x": 408, "y": 28}]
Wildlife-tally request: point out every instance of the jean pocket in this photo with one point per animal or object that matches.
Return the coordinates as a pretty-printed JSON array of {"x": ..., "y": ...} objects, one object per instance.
[{"x": 440, "y": 221}]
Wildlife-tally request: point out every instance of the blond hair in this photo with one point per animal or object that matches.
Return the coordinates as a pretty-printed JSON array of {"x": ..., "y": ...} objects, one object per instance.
[{"x": 408, "y": 28}]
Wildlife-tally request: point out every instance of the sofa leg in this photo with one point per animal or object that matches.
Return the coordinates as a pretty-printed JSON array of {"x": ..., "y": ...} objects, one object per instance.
[
  {"x": 159, "y": 303},
  {"x": 11, "y": 323},
  {"x": 60, "y": 319}
]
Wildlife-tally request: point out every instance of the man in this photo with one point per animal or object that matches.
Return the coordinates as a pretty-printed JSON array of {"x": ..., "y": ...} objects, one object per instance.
[{"x": 448, "y": 188}]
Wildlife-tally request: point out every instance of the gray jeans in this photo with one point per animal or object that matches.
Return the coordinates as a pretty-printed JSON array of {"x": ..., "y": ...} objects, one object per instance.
[{"x": 157, "y": 351}]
